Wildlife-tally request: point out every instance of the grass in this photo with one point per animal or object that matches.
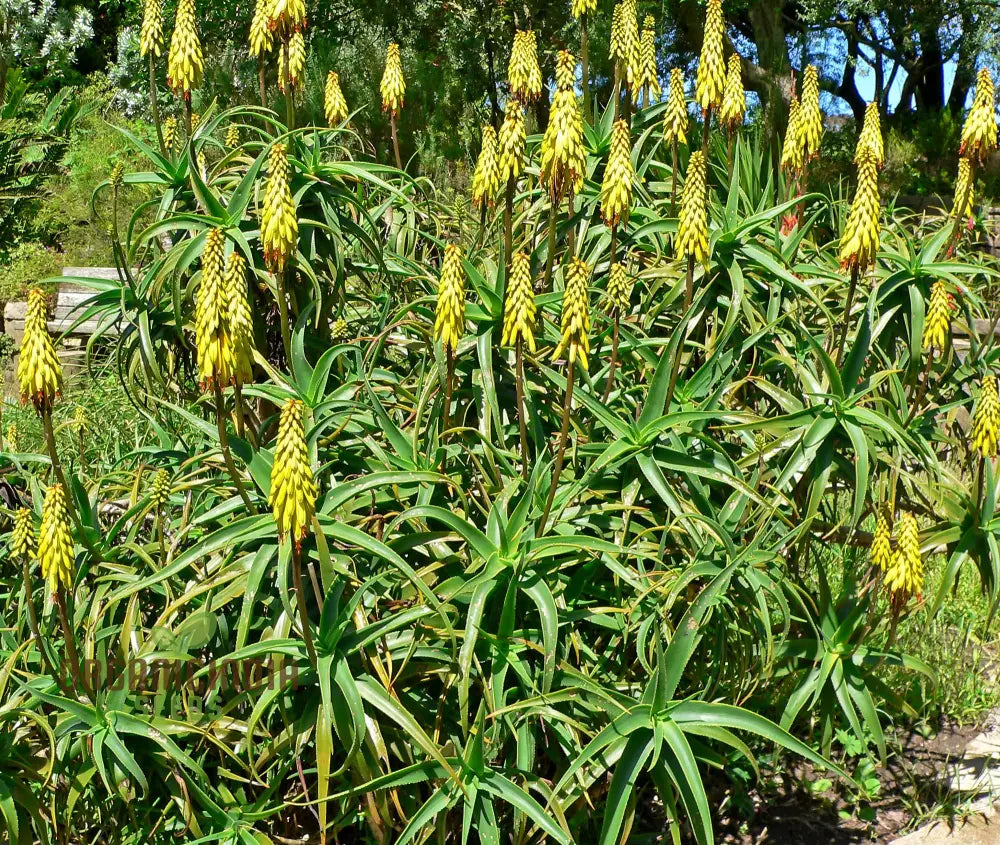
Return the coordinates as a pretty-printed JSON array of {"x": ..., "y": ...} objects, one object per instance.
[
  {"x": 963, "y": 651},
  {"x": 114, "y": 430}
]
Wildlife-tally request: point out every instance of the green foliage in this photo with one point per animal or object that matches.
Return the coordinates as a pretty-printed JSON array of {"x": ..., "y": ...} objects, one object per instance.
[
  {"x": 25, "y": 265},
  {"x": 65, "y": 217},
  {"x": 33, "y": 137},
  {"x": 486, "y": 643}
]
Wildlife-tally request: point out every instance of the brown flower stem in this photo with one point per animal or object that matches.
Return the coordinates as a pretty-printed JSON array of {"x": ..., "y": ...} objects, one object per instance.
[
  {"x": 33, "y": 626},
  {"x": 673, "y": 179},
  {"x": 675, "y": 372},
  {"x": 300, "y": 597},
  {"x": 483, "y": 212},
  {"x": 571, "y": 232},
  {"x": 980, "y": 483},
  {"x": 585, "y": 63},
  {"x": 227, "y": 455},
  {"x": 72, "y": 656},
  {"x": 617, "y": 90},
  {"x": 50, "y": 442},
  {"x": 613, "y": 248},
  {"x": 551, "y": 248},
  {"x": 261, "y": 81},
  {"x": 706, "y": 131},
  {"x": 154, "y": 106},
  {"x": 522, "y": 411},
  {"x": 508, "y": 233},
  {"x": 612, "y": 365},
  {"x": 847, "y": 314},
  {"x": 729, "y": 154},
  {"x": 689, "y": 283},
  {"x": 187, "y": 114},
  {"x": 395, "y": 139},
  {"x": 161, "y": 537},
  {"x": 561, "y": 452},
  {"x": 241, "y": 426},
  {"x": 924, "y": 382},
  {"x": 286, "y": 328},
  {"x": 449, "y": 378}
]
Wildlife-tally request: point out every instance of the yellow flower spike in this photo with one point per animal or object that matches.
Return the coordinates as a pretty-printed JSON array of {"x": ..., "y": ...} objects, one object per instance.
[
  {"x": 160, "y": 493},
  {"x": 240, "y": 318},
  {"x": 169, "y": 133},
  {"x": 881, "y": 549},
  {"x": 810, "y": 116},
  {"x": 905, "y": 575},
  {"x": 279, "y": 228},
  {"x": 648, "y": 80},
  {"x": 616, "y": 47},
  {"x": 979, "y": 134},
  {"x": 80, "y": 422},
  {"x": 486, "y": 178},
  {"x": 734, "y": 99},
  {"x": 213, "y": 340},
  {"x": 13, "y": 438},
  {"x": 870, "y": 141},
  {"x": 563, "y": 158},
  {"x": 117, "y": 178},
  {"x": 185, "y": 64},
  {"x": 449, "y": 320},
  {"x": 519, "y": 307},
  {"x": 675, "y": 118},
  {"x": 232, "y": 136},
  {"x": 287, "y": 15},
  {"x": 393, "y": 87},
  {"x": 511, "y": 142},
  {"x": 711, "y": 81},
  {"x": 523, "y": 71},
  {"x": 616, "y": 189},
  {"x": 965, "y": 201},
  {"x": 575, "y": 338},
  {"x": 334, "y": 104},
  {"x": 38, "y": 369},
  {"x": 296, "y": 63},
  {"x": 22, "y": 535},
  {"x": 619, "y": 289},
  {"x": 261, "y": 34},
  {"x": 293, "y": 489},
  {"x": 860, "y": 240},
  {"x": 792, "y": 157},
  {"x": 55, "y": 543},
  {"x": 631, "y": 49},
  {"x": 340, "y": 332},
  {"x": 151, "y": 33},
  {"x": 692, "y": 227},
  {"x": 195, "y": 122},
  {"x": 583, "y": 7},
  {"x": 938, "y": 321},
  {"x": 986, "y": 418}
]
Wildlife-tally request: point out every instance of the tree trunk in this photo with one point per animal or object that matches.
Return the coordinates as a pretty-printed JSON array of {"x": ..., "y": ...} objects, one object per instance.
[
  {"x": 772, "y": 55},
  {"x": 848, "y": 88},
  {"x": 494, "y": 103},
  {"x": 965, "y": 64},
  {"x": 930, "y": 83}
]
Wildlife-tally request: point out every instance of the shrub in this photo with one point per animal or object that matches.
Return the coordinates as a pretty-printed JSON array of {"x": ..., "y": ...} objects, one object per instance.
[{"x": 512, "y": 591}]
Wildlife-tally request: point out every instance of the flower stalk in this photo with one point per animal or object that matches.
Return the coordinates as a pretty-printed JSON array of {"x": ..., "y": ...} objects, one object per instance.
[{"x": 575, "y": 341}]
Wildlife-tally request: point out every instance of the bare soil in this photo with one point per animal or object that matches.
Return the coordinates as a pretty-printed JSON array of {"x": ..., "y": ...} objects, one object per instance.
[{"x": 915, "y": 780}]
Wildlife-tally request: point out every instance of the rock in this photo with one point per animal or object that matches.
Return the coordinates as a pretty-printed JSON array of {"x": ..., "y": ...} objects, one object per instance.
[{"x": 982, "y": 829}]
